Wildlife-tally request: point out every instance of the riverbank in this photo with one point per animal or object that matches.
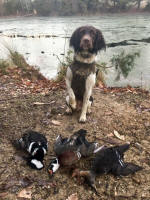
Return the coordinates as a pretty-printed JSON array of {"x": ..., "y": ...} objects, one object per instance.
[
  {"x": 39, "y": 104},
  {"x": 132, "y": 11},
  {"x": 44, "y": 52}
]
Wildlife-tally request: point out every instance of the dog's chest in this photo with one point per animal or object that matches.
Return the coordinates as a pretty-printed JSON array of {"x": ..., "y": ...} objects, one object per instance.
[{"x": 80, "y": 73}]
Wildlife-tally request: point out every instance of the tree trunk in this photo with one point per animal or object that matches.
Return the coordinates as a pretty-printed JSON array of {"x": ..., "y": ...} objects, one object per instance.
[{"x": 139, "y": 4}]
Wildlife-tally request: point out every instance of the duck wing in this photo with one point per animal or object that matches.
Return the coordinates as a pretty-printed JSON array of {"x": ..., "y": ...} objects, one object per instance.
[
  {"x": 122, "y": 148},
  {"x": 62, "y": 145},
  {"x": 126, "y": 169},
  {"x": 85, "y": 147}
]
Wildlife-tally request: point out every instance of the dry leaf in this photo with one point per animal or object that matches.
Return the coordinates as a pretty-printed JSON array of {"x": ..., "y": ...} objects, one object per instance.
[
  {"x": 3, "y": 194},
  {"x": 25, "y": 193},
  {"x": 108, "y": 113},
  {"x": 110, "y": 135},
  {"x": 121, "y": 137},
  {"x": 73, "y": 197},
  {"x": 55, "y": 122}
]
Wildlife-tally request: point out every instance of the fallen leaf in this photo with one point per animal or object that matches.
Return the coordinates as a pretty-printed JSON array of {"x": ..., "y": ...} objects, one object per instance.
[
  {"x": 73, "y": 197},
  {"x": 3, "y": 194},
  {"x": 25, "y": 182},
  {"x": 121, "y": 137},
  {"x": 110, "y": 135},
  {"x": 108, "y": 113},
  {"x": 55, "y": 122},
  {"x": 25, "y": 193}
]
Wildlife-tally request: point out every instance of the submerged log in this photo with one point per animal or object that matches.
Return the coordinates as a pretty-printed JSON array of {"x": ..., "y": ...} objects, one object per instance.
[
  {"x": 122, "y": 43},
  {"x": 128, "y": 42}
]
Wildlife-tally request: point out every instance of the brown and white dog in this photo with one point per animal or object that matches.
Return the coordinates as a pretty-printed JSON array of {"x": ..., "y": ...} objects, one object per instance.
[{"x": 86, "y": 41}]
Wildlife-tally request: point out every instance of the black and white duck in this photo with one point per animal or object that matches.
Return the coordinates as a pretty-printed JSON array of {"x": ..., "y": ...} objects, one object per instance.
[
  {"x": 36, "y": 145},
  {"x": 108, "y": 160}
]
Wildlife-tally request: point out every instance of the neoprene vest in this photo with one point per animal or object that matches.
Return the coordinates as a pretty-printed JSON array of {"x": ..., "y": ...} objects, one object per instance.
[{"x": 80, "y": 73}]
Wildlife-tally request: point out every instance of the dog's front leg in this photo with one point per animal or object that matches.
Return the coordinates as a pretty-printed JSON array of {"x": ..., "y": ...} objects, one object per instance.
[
  {"x": 90, "y": 82},
  {"x": 71, "y": 100}
]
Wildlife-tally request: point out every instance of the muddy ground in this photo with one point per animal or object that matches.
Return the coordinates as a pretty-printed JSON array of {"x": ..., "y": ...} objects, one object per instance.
[{"x": 127, "y": 112}]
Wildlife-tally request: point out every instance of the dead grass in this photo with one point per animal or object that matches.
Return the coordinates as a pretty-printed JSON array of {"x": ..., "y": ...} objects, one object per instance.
[{"x": 4, "y": 64}]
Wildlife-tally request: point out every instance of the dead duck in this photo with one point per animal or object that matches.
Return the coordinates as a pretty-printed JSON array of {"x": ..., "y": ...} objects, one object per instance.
[
  {"x": 84, "y": 147},
  {"x": 108, "y": 160},
  {"x": 53, "y": 166},
  {"x": 69, "y": 150},
  {"x": 36, "y": 145}
]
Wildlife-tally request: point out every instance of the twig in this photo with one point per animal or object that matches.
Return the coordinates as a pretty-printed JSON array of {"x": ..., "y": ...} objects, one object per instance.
[
  {"x": 141, "y": 79},
  {"x": 103, "y": 66},
  {"x": 58, "y": 58},
  {"x": 42, "y": 103}
]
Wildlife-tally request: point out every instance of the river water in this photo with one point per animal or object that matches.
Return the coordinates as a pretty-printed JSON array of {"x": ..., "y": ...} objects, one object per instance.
[{"x": 43, "y": 52}]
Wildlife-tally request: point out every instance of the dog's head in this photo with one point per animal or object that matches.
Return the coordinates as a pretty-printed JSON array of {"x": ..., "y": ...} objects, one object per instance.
[{"x": 87, "y": 38}]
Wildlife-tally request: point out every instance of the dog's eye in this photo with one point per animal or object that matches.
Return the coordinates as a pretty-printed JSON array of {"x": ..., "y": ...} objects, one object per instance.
[
  {"x": 92, "y": 33},
  {"x": 82, "y": 32}
]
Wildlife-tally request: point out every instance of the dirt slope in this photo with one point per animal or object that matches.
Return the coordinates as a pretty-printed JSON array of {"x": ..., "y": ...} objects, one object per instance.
[{"x": 126, "y": 112}]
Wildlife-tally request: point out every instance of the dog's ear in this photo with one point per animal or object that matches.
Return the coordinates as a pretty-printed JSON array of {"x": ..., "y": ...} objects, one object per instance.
[
  {"x": 75, "y": 40},
  {"x": 99, "y": 42}
]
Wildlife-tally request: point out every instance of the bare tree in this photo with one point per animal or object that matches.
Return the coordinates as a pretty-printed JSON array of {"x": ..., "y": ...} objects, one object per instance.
[{"x": 139, "y": 4}]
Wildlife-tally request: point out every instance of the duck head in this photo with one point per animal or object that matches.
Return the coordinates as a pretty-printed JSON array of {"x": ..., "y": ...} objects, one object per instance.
[{"x": 53, "y": 166}]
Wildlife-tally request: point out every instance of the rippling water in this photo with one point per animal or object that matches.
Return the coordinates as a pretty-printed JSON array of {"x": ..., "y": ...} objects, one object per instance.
[{"x": 114, "y": 27}]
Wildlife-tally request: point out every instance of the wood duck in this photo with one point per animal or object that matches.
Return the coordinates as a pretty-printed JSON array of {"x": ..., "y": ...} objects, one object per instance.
[
  {"x": 108, "y": 160},
  {"x": 69, "y": 150},
  {"x": 36, "y": 145},
  {"x": 85, "y": 148}
]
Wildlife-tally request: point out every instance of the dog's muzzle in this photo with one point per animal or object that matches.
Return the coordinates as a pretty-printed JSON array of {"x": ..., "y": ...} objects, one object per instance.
[{"x": 86, "y": 42}]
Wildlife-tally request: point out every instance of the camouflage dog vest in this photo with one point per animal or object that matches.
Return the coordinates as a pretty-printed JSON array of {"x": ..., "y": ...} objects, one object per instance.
[{"x": 80, "y": 73}]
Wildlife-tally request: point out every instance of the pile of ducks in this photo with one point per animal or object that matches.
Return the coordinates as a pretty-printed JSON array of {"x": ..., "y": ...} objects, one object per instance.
[{"x": 68, "y": 151}]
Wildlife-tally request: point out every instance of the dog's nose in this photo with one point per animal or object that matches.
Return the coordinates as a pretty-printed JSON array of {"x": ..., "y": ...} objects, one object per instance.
[{"x": 86, "y": 40}]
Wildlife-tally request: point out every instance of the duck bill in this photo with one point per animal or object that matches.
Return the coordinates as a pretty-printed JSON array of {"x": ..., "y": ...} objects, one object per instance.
[{"x": 50, "y": 172}]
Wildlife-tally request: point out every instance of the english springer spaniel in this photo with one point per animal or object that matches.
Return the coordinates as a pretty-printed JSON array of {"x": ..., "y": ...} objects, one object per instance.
[{"x": 86, "y": 41}]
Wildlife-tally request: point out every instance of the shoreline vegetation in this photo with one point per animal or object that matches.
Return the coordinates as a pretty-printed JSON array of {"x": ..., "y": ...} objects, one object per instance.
[
  {"x": 71, "y": 7},
  {"x": 133, "y": 12},
  {"x": 15, "y": 69}
]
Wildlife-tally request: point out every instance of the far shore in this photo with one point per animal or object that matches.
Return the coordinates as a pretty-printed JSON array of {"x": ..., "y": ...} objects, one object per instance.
[{"x": 135, "y": 12}]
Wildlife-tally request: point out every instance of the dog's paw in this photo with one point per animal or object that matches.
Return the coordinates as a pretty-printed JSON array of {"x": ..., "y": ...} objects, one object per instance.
[
  {"x": 82, "y": 119},
  {"x": 71, "y": 102},
  {"x": 73, "y": 105}
]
